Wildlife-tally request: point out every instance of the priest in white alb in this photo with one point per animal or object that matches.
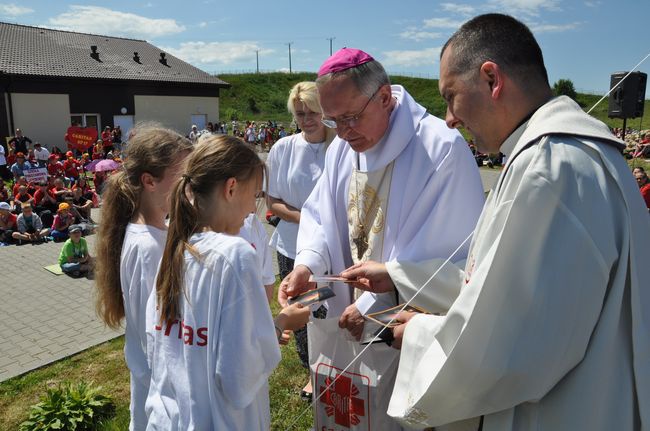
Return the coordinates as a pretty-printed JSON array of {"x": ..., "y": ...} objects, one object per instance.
[
  {"x": 397, "y": 185},
  {"x": 551, "y": 329}
]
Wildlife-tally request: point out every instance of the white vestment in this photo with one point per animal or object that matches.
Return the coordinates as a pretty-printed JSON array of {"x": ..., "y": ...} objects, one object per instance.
[
  {"x": 435, "y": 199},
  {"x": 142, "y": 250},
  {"x": 551, "y": 330},
  {"x": 253, "y": 231},
  {"x": 209, "y": 367}
]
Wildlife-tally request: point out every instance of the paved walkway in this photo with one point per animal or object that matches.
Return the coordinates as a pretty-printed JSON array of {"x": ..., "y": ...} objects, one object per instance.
[{"x": 47, "y": 317}]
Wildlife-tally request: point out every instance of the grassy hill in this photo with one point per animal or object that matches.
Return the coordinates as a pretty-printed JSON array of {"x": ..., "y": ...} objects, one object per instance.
[{"x": 264, "y": 97}]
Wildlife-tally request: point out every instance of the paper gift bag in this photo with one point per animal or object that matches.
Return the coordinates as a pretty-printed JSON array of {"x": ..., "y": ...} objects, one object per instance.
[{"x": 356, "y": 399}]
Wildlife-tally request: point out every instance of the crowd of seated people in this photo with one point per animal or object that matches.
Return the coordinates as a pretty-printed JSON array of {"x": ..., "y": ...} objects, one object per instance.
[{"x": 36, "y": 212}]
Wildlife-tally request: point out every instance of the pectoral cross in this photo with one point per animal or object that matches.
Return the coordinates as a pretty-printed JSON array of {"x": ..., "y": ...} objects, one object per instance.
[{"x": 361, "y": 241}]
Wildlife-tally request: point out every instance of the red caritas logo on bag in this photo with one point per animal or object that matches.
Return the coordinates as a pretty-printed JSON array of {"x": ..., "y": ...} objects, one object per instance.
[{"x": 344, "y": 398}]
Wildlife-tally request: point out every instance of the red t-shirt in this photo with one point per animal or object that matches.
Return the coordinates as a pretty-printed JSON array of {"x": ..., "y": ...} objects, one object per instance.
[
  {"x": 39, "y": 195},
  {"x": 22, "y": 198},
  {"x": 645, "y": 192},
  {"x": 55, "y": 169},
  {"x": 11, "y": 221},
  {"x": 107, "y": 137},
  {"x": 70, "y": 168}
]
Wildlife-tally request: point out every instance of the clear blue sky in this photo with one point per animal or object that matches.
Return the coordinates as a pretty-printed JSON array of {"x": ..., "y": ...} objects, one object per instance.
[{"x": 582, "y": 40}]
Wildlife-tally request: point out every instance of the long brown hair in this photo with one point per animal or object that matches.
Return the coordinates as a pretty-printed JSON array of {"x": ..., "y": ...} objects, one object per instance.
[
  {"x": 214, "y": 160},
  {"x": 151, "y": 150}
]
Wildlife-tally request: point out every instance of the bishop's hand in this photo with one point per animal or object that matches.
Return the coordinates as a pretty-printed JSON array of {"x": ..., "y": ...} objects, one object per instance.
[
  {"x": 398, "y": 331},
  {"x": 352, "y": 320},
  {"x": 294, "y": 284},
  {"x": 370, "y": 276}
]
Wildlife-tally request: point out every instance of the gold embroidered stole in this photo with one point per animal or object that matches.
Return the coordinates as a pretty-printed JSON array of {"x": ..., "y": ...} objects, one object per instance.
[{"x": 367, "y": 206}]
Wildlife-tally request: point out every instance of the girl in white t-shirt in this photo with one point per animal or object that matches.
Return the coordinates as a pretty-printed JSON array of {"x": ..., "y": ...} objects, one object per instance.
[
  {"x": 212, "y": 342},
  {"x": 130, "y": 243}
]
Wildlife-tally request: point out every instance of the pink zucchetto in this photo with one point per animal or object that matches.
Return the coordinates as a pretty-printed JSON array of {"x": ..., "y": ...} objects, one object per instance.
[{"x": 344, "y": 58}]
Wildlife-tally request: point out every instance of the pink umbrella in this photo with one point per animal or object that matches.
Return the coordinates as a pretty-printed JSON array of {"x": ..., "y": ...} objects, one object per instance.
[{"x": 104, "y": 165}]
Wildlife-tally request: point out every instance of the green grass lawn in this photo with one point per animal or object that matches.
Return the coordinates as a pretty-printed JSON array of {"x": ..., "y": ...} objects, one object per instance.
[{"x": 104, "y": 365}]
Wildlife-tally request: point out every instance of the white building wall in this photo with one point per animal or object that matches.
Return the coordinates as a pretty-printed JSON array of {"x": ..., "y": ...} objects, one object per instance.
[
  {"x": 42, "y": 117},
  {"x": 175, "y": 112}
]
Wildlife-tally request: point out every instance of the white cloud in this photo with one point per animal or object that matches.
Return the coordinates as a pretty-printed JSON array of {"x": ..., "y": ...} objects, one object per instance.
[
  {"x": 203, "y": 24},
  {"x": 213, "y": 53},
  {"x": 11, "y": 10},
  {"x": 442, "y": 23},
  {"x": 463, "y": 9},
  {"x": 100, "y": 20},
  {"x": 411, "y": 57},
  {"x": 418, "y": 35},
  {"x": 593, "y": 3},
  {"x": 526, "y": 7},
  {"x": 553, "y": 28}
]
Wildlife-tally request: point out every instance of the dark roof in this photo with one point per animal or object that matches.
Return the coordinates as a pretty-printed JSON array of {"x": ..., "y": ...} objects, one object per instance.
[{"x": 40, "y": 51}]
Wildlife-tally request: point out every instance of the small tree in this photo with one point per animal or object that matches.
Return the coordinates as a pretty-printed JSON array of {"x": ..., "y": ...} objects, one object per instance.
[{"x": 564, "y": 87}]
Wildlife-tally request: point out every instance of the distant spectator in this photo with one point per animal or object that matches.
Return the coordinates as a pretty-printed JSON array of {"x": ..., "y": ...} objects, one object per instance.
[
  {"x": 74, "y": 258},
  {"x": 41, "y": 155},
  {"x": 45, "y": 204},
  {"x": 194, "y": 134},
  {"x": 4, "y": 193},
  {"x": 60, "y": 190},
  {"x": 82, "y": 206},
  {"x": 62, "y": 222},
  {"x": 29, "y": 227},
  {"x": 71, "y": 167},
  {"x": 22, "y": 197},
  {"x": 86, "y": 190},
  {"x": 644, "y": 186},
  {"x": 18, "y": 168},
  {"x": 107, "y": 139},
  {"x": 210, "y": 127},
  {"x": 98, "y": 150},
  {"x": 19, "y": 142},
  {"x": 22, "y": 181},
  {"x": 4, "y": 170},
  {"x": 54, "y": 167},
  {"x": 117, "y": 137},
  {"x": 7, "y": 223}
]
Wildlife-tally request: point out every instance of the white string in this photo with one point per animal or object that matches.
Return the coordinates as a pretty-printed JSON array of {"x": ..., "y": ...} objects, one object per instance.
[
  {"x": 619, "y": 83},
  {"x": 376, "y": 337}
]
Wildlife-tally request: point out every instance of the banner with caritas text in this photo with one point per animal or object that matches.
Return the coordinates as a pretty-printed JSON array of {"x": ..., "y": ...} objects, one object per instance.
[
  {"x": 81, "y": 138},
  {"x": 35, "y": 175}
]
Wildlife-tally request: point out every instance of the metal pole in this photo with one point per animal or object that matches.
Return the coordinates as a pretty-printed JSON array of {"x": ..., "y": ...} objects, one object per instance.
[
  {"x": 624, "y": 126},
  {"x": 257, "y": 60},
  {"x": 290, "y": 56},
  {"x": 331, "y": 39}
]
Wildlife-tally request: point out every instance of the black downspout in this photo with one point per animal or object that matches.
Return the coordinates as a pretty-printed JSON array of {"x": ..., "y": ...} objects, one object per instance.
[{"x": 10, "y": 108}]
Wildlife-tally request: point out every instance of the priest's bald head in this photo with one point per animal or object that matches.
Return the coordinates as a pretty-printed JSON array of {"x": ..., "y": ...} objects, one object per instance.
[
  {"x": 355, "y": 97},
  {"x": 492, "y": 76}
]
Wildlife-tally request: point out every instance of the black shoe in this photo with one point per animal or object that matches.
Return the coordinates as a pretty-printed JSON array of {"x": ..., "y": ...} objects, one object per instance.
[{"x": 306, "y": 396}]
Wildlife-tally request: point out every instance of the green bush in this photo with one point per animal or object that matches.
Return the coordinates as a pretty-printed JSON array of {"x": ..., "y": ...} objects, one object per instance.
[{"x": 69, "y": 407}]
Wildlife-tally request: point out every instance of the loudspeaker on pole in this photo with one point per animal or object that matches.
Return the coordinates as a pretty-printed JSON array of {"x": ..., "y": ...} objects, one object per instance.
[{"x": 628, "y": 99}]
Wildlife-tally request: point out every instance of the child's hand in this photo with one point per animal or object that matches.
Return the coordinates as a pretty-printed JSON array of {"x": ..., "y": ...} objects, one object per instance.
[{"x": 293, "y": 317}]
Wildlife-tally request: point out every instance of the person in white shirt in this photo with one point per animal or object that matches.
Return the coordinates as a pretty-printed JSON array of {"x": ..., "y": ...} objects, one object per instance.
[
  {"x": 295, "y": 163},
  {"x": 194, "y": 134},
  {"x": 212, "y": 342},
  {"x": 253, "y": 231},
  {"x": 41, "y": 154},
  {"x": 130, "y": 243}
]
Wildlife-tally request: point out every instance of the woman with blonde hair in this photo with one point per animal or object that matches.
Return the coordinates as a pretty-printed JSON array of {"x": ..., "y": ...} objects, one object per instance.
[
  {"x": 295, "y": 164},
  {"x": 212, "y": 342},
  {"x": 130, "y": 244}
]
